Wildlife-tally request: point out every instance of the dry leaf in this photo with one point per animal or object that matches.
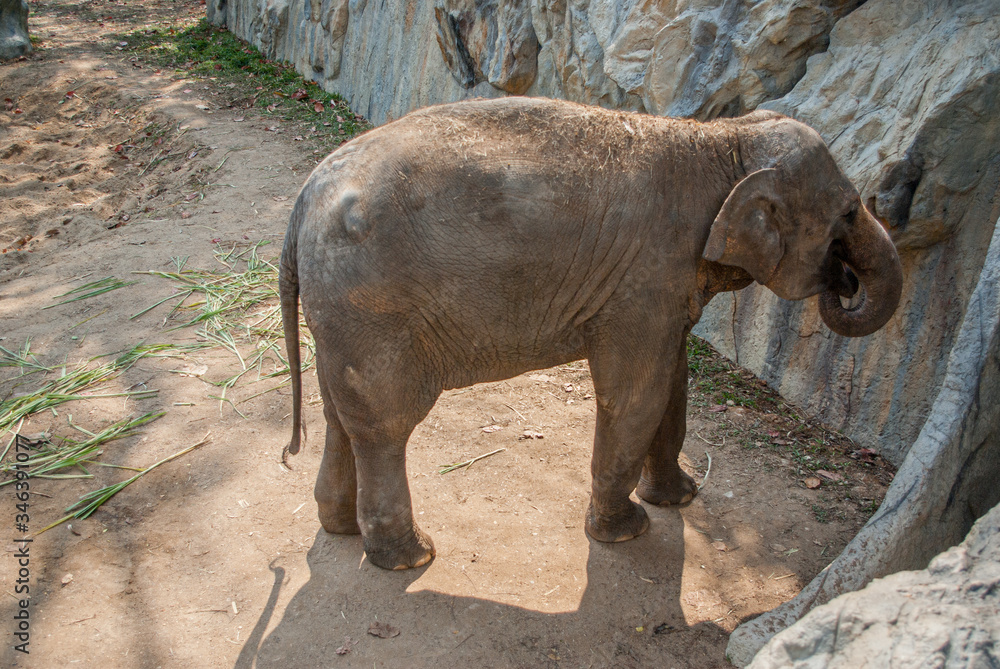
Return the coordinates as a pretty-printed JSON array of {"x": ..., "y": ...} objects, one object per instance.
[
  {"x": 532, "y": 434},
  {"x": 300, "y": 94},
  {"x": 67, "y": 579},
  {"x": 188, "y": 369},
  {"x": 719, "y": 546},
  {"x": 346, "y": 648},
  {"x": 718, "y": 408},
  {"x": 829, "y": 476},
  {"x": 864, "y": 455},
  {"x": 812, "y": 482},
  {"x": 492, "y": 428},
  {"x": 778, "y": 548},
  {"x": 383, "y": 630},
  {"x": 318, "y": 106}
]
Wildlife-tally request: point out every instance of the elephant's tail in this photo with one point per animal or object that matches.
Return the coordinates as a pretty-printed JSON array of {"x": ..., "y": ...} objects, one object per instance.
[{"x": 288, "y": 289}]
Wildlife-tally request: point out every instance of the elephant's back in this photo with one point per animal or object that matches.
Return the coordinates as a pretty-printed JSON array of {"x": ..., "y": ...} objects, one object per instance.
[{"x": 461, "y": 212}]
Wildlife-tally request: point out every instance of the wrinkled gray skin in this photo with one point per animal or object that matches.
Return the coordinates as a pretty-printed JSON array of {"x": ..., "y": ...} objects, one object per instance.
[{"x": 475, "y": 241}]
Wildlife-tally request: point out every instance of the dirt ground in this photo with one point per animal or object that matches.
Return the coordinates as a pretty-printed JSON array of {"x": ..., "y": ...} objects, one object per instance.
[{"x": 110, "y": 166}]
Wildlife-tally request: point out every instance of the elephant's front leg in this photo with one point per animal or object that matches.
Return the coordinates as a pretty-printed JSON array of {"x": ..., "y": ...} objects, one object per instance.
[
  {"x": 631, "y": 399},
  {"x": 663, "y": 482}
]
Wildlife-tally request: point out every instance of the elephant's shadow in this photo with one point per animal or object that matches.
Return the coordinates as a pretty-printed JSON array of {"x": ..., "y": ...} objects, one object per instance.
[{"x": 629, "y": 614}]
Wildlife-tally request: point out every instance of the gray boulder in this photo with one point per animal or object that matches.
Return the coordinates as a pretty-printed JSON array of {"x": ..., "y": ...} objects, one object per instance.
[
  {"x": 946, "y": 616},
  {"x": 14, "y": 40}
]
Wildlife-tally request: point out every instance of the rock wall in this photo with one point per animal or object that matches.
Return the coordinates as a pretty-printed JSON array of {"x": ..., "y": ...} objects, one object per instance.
[
  {"x": 702, "y": 58},
  {"x": 945, "y": 616}
]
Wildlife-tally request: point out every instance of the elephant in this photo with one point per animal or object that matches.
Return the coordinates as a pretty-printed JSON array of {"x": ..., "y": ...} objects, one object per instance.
[{"x": 474, "y": 241}]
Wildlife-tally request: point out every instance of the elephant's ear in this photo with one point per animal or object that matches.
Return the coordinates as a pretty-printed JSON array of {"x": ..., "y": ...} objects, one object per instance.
[{"x": 745, "y": 233}]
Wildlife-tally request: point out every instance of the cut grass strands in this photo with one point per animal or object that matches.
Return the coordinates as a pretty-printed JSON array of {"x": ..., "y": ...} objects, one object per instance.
[
  {"x": 51, "y": 458},
  {"x": 78, "y": 384},
  {"x": 92, "y": 501},
  {"x": 23, "y": 358},
  {"x": 459, "y": 465},
  {"x": 237, "y": 307},
  {"x": 92, "y": 289}
]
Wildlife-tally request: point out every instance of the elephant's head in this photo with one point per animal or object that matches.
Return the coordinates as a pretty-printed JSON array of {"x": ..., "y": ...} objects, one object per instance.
[{"x": 797, "y": 225}]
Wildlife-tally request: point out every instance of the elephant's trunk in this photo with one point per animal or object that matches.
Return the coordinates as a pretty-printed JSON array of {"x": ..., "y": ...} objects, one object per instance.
[{"x": 870, "y": 254}]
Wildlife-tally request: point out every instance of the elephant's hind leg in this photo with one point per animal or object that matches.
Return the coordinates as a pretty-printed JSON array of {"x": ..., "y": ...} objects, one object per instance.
[
  {"x": 379, "y": 403},
  {"x": 663, "y": 482},
  {"x": 337, "y": 484}
]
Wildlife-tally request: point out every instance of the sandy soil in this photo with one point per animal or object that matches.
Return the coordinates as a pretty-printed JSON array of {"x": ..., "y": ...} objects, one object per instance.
[{"x": 217, "y": 558}]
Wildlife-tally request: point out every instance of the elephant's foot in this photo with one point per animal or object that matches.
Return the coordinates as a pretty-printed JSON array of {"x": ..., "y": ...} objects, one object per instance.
[
  {"x": 678, "y": 488},
  {"x": 339, "y": 518},
  {"x": 415, "y": 551},
  {"x": 622, "y": 526}
]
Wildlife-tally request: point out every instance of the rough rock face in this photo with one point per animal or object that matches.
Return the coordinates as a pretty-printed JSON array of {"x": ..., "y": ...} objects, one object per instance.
[
  {"x": 700, "y": 58},
  {"x": 486, "y": 40},
  {"x": 383, "y": 57},
  {"x": 946, "y": 616},
  {"x": 906, "y": 99},
  {"x": 14, "y": 39},
  {"x": 716, "y": 57}
]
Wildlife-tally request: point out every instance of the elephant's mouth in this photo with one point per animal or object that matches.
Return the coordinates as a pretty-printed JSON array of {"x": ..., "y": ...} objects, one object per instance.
[{"x": 841, "y": 279}]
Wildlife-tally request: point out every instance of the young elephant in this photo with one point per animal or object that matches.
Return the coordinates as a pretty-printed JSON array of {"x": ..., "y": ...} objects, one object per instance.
[{"x": 475, "y": 241}]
